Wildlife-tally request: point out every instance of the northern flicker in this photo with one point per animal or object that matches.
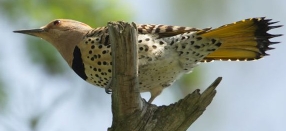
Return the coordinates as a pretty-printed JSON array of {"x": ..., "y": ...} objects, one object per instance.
[{"x": 165, "y": 52}]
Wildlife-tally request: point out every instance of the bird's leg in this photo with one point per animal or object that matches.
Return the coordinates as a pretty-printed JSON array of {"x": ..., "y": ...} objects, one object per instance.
[
  {"x": 108, "y": 88},
  {"x": 154, "y": 93}
]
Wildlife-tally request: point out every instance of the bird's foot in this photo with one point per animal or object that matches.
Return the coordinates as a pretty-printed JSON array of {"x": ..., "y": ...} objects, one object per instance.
[{"x": 108, "y": 88}]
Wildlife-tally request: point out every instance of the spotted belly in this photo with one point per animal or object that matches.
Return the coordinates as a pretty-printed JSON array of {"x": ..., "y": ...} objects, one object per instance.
[
  {"x": 150, "y": 76},
  {"x": 158, "y": 74}
]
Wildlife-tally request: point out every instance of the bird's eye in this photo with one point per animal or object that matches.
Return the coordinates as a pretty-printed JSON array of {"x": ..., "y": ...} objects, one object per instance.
[{"x": 57, "y": 22}]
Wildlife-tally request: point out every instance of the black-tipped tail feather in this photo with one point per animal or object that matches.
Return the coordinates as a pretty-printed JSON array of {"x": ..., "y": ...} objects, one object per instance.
[{"x": 243, "y": 40}]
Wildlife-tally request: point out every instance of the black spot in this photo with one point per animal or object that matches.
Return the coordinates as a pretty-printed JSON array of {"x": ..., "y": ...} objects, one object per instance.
[
  {"x": 141, "y": 48},
  {"x": 192, "y": 42},
  {"x": 89, "y": 39},
  {"x": 95, "y": 69},
  {"x": 139, "y": 41},
  {"x": 199, "y": 38},
  {"x": 108, "y": 46},
  {"x": 183, "y": 47},
  {"x": 161, "y": 43},
  {"x": 146, "y": 48},
  {"x": 213, "y": 41},
  {"x": 154, "y": 46},
  {"x": 197, "y": 47},
  {"x": 104, "y": 63},
  {"x": 99, "y": 63},
  {"x": 183, "y": 37},
  {"x": 218, "y": 44},
  {"x": 86, "y": 42},
  {"x": 140, "y": 30},
  {"x": 98, "y": 55},
  {"x": 77, "y": 63},
  {"x": 99, "y": 70},
  {"x": 92, "y": 47},
  {"x": 96, "y": 75},
  {"x": 109, "y": 70},
  {"x": 92, "y": 58},
  {"x": 104, "y": 52},
  {"x": 110, "y": 63},
  {"x": 97, "y": 39},
  {"x": 172, "y": 42},
  {"x": 99, "y": 46},
  {"x": 95, "y": 56},
  {"x": 158, "y": 29},
  {"x": 169, "y": 28},
  {"x": 90, "y": 52},
  {"x": 92, "y": 42},
  {"x": 106, "y": 42},
  {"x": 210, "y": 49},
  {"x": 147, "y": 39}
]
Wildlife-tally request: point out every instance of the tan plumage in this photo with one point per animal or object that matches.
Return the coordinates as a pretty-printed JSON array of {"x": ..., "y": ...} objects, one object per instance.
[{"x": 165, "y": 52}]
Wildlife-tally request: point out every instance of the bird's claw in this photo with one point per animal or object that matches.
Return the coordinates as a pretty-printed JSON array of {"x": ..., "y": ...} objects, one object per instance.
[{"x": 108, "y": 90}]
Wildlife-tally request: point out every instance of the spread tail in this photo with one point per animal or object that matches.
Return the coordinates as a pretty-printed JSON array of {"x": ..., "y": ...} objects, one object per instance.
[{"x": 243, "y": 40}]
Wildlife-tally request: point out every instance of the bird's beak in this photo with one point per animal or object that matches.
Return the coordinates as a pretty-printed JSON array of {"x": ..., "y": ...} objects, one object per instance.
[{"x": 33, "y": 32}]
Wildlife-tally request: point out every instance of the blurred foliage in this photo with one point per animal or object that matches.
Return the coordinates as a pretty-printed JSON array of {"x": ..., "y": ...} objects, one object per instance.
[
  {"x": 190, "y": 82},
  {"x": 197, "y": 14},
  {"x": 3, "y": 93},
  {"x": 3, "y": 96},
  {"x": 36, "y": 13}
]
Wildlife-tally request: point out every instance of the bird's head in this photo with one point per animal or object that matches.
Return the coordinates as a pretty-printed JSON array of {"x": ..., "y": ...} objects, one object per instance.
[{"x": 64, "y": 34}]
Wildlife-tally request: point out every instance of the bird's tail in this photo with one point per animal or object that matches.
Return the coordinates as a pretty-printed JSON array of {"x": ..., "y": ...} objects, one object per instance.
[{"x": 243, "y": 40}]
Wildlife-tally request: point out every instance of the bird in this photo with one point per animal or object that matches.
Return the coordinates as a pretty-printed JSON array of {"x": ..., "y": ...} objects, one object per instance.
[{"x": 165, "y": 52}]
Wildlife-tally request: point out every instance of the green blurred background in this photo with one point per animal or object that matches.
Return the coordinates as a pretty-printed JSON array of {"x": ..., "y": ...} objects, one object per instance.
[{"x": 39, "y": 92}]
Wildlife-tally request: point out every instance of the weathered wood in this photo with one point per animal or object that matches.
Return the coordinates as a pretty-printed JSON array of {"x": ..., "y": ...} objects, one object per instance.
[{"x": 125, "y": 97}]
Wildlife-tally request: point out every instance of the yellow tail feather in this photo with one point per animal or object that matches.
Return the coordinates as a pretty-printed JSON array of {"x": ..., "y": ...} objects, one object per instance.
[{"x": 243, "y": 40}]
